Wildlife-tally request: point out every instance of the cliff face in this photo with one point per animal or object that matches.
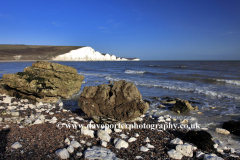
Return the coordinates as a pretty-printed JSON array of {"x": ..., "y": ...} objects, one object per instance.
[{"x": 87, "y": 54}]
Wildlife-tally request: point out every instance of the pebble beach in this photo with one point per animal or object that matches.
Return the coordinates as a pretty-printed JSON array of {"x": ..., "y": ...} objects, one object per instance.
[{"x": 32, "y": 130}]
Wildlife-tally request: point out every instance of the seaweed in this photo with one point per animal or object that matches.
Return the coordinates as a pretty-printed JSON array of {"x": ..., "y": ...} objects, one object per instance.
[
  {"x": 30, "y": 77},
  {"x": 22, "y": 74},
  {"x": 39, "y": 79}
]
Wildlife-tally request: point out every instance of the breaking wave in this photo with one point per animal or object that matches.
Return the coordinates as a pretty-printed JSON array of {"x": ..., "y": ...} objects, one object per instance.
[
  {"x": 232, "y": 111},
  {"x": 134, "y": 72},
  {"x": 167, "y": 66},
  {"x": 94, "y": 74},
  {"x": 178, "y": 86},
  {"x": 155, "y": 66},
  {"x": 181, "y": 86},
  {"x": 234, "y": 82}
]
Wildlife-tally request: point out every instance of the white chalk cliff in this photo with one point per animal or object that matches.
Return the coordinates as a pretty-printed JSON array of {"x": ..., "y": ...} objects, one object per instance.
[{"x": 88, "y": 54}]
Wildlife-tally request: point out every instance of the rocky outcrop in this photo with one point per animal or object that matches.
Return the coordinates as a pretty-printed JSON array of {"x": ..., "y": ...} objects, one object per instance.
[
  {"x": 121, "y": 101},
  {"x": 232, "y": 127},
  {"x": 183, "y": 106},
  {"x": 43, "y": 81}
]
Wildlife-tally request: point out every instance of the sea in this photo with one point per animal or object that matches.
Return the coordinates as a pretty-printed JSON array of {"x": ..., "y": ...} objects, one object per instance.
[{"x": 213, "y": 86}]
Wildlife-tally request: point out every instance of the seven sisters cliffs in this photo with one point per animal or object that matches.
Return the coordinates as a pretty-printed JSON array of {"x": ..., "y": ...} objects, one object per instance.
[{"x": 56, "y": 53}]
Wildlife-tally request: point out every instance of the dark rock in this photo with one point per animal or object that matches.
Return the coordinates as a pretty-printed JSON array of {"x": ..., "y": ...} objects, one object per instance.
[
  {"x": 193, "y": 98},
  {"x": 167, "y": 97},
  {"x": 149, "y": 102},
  {"x": 43, "y": 81},
  {"x": 232, "y": 127},
  {"x": 183, "y": 106},
  {"x": 194, "y": 102},
  {"x": 121, "y": 101},
  {"x": 202, "y": 139},
  {"x": 104, "y": 120}
]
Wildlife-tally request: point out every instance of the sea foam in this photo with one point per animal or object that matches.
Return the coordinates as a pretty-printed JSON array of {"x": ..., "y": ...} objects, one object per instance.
[
  {"x": 186, "y": 87},
  {"x": 134, "y": 72},
  {"x": 234, "y": 82},
  {"x": 94, "y": 74},
  {"x": 180, "y": 86}
]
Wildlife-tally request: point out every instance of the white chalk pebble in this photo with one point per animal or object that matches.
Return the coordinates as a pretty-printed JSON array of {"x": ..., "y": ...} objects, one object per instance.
[{"x": 16, "y": 145}]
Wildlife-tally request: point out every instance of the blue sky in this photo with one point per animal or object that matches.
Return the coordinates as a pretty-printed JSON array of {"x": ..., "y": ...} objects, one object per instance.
[{"x": 147, "y": 29}]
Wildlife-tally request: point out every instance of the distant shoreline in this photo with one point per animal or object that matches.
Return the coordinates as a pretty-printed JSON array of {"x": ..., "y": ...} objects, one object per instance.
[{"x": 3, "y": 61}]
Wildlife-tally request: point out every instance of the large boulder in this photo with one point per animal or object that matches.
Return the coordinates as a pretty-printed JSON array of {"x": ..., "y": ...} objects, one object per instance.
[
  {"x": 43, "y": 81},
  {"x": 183, "y": 106},
  {"x": 232, "y": 127},
  {"x": 121, "y": 101}
]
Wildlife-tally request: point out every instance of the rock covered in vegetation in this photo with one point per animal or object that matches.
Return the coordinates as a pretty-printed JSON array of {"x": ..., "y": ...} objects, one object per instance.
[
  {"x": 43, "y": 81},
  {"x": 121, "y": 101},
  {"x": 232, "y": 127},
  {"x": 202, "y": 139},
  {"x": 183, "y": 106}
]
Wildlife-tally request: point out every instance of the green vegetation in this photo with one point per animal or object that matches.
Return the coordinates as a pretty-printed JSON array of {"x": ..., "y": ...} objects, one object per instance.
[
  {"x": 30, "y": 77},
  {"x": 39, "y": 79},
  {"x": 22, "y": 74},
  {"x": 32, "y": 52}
]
